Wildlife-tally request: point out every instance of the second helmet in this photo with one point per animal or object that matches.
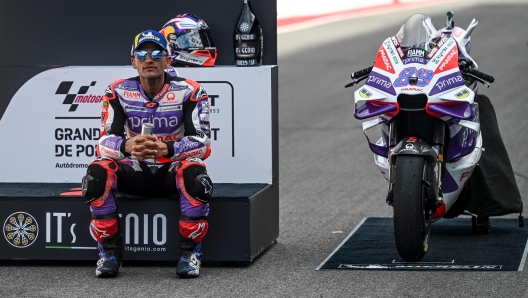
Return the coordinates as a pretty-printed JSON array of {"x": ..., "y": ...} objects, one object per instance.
[{"x": 190, "y": 41}]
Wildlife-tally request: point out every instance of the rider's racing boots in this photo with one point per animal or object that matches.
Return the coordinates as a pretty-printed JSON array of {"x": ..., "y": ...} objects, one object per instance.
[
  {"x": 110, "y": 256},
  {"x": 190, "y": 262}
]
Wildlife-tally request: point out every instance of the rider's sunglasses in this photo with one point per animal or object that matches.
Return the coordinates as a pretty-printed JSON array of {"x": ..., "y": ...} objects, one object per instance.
[{"x": 156, "y": 54}]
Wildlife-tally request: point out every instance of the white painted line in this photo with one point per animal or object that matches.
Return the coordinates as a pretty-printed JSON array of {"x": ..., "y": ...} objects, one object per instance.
[
  {"x": 422, "y": 263},
  {"x": 521, "y": 266},
  {"x": 420, "y": 267},
  {"x": 343, "y": 242}
]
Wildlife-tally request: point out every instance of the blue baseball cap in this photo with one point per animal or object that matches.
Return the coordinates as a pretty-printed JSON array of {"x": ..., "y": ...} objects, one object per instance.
[{"x": 149, "y": 36}]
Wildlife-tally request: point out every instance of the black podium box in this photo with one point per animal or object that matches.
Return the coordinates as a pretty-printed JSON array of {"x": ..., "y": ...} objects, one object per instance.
[{"x": 39, "y": 223}]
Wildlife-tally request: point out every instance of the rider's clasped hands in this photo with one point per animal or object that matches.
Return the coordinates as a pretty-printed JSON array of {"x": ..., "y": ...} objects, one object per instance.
[{"x": 145, "y": 147}]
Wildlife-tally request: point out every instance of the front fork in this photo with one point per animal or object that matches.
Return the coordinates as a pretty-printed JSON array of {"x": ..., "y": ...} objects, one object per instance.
[{"x": 434, "y": 167}]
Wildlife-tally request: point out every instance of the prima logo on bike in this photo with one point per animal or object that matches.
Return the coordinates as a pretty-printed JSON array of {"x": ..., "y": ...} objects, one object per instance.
[
  {"x": 447, "y": 82},
  {"x": 380, "y": 82},
  {"x": 20, "y": 229},
  {"x": 77, "y": 98}
]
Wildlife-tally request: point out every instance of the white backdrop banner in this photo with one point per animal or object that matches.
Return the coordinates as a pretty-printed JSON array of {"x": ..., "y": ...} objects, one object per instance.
[{"x": 51, "y": 126}]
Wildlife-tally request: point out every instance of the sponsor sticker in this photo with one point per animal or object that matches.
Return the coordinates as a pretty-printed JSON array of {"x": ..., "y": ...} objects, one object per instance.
[
  {"x": 134, "y": 108},
  {"x": 408, "y": 147},
  {"x": 365, "y": 93},
  {"x": 171, "y": 98},
  {"x": 462, "y": 94},
  {"x": 415, "y": 53},
  {"x": 172, "y": 108},
  {"x": 191, "y": 58},
  {"x": 383, "y": 62},
  {"x": 131, "y": 94},
  {"x": 450, "y": 61}
]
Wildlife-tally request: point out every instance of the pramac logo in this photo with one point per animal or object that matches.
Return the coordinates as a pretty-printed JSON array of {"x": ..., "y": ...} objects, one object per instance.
[
  {"x": 20, "y": 229},
  {"x": 171, "y": 98},
  {"x": 383, "y": 62}
]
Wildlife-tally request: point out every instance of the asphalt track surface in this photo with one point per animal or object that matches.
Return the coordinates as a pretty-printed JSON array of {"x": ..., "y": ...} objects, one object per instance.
[{"x": 328, "y": 181}]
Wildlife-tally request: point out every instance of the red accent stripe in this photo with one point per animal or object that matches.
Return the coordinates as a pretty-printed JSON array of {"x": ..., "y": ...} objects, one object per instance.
[
  {"x": 71, "y": 194},
  {"x": 390, "y": 114}
]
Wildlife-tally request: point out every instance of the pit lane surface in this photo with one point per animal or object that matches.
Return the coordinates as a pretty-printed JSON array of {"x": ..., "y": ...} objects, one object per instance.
[{"x": 328, "y": 179}]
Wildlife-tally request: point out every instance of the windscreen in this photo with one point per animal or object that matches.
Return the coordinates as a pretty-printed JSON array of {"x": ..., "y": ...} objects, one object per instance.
[{"x": 414, "y": 33}]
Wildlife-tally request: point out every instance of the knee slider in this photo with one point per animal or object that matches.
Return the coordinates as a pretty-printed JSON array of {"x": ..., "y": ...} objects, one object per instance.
[
  {"x": 193, "y": 228},
  {"x": 196, "y": 182},
  {"x": 98, "y": 181},
  {"x": 104, "y": 227}
]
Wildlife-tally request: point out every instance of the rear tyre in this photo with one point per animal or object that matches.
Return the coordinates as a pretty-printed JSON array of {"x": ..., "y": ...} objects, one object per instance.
[{"x": 411, "y": 219}]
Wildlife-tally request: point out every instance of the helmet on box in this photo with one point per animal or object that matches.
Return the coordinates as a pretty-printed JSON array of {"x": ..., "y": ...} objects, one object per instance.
[{"x": 190, "y": 41}]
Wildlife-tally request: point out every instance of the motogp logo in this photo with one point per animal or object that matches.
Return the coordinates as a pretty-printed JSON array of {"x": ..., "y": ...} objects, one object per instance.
[
  {"x": 20, "y": 229},
  {"x": 74, "y": 99}
]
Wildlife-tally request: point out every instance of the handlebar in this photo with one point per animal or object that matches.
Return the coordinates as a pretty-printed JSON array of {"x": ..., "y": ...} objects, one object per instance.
[
  {"x": 481, "y": 75},
  {"x": 361, "y": 73},
  {"x": 359, "y": 76},
  {"x": 464, "y": 66}
]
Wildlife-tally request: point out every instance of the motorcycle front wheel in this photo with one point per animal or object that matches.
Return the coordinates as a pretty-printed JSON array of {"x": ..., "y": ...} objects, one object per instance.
[{"x": 412, "y": 224}]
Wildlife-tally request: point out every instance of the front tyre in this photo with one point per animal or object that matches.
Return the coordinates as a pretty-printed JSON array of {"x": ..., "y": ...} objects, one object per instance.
[{"x": 412, "y": 221}]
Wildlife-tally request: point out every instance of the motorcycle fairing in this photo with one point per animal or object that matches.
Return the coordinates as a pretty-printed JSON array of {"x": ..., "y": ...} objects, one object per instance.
[
  {"x": 463, "y": 137},
  {"x": 458, "y": 173},
  {"x": 448, "y": 97},
  {"x": 437, "y": 77},
  {"x": 374, "y": 108},
  {"x": 380, "y": 148},
  {"x": 413, "y": 146},
  {"x": 374, "y": 103},
  {"x": 457, "y": 110}
]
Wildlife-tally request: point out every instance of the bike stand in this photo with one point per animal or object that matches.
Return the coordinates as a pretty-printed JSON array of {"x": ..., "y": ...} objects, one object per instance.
[{"x": 480, "y": 224}]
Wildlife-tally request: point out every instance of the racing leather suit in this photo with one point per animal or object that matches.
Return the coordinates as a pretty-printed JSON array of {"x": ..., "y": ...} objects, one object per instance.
[{"x": 180, "y": 114}]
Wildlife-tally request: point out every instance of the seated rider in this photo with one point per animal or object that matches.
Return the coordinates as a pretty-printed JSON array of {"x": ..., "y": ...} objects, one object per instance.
[{"x": 166, "y": 163}]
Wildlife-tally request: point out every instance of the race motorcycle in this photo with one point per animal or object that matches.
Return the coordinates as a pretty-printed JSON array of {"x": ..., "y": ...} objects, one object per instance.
[{"x": 422, "y": 89}]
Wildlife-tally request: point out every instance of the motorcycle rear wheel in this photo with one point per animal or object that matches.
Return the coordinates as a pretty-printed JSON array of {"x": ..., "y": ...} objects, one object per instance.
[{"x": 412, "y": 222}]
